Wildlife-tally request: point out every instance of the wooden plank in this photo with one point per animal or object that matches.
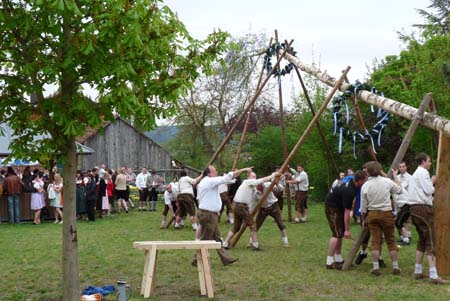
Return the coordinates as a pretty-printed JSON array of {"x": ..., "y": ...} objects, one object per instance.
[
  {"x": 201, "y": 273},
  {"x": 146, "y": 265},
  {"x": 442, "y": 207},
  {"x": 189, "y": 244},
  {"x": 151, "y": 271},
  {"x": 207, "y": 272}
]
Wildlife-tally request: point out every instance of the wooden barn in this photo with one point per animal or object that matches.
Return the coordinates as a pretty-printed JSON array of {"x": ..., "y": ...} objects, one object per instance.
[{"x": 119, "y": 143}]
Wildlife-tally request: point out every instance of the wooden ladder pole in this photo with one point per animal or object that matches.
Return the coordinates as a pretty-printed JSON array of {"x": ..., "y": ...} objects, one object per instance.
[
  {"x": 294, "y": 151},
  {"x": 257, "y": 93}
]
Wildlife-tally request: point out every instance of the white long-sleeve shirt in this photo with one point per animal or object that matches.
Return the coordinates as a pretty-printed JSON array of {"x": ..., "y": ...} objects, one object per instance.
[
  {"x": 245, "y": 192},
  {"x": 302, "y": 178},
  {"x": 402, "y": 198},
  {"x": 208, "y": 192},
  {"x": 185, "y": 185},
  {"x": 421, "y": 189},
  {"x": 141, "y": 181},
  {"x": 376, "y": 194}
]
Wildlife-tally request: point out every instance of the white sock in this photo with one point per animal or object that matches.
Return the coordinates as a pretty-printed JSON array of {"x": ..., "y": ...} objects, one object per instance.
[
  {"x": 376, "y": 266},
  {"x": 395, "y": 264},
  {"x": 255, "y": 244},
  {"x": 338, "y": 257},
  {"x": 330, "y": 260},
  {"x": 297, "y": 219},
  {"x": 363, "y": 252},
  {"x": 177, "y": 225},
  {"x": 194, "y": 226},
  {"x": 406, "y": 239},
  {"x": 183, "y": 222},
  {"x": 418, "y": 268},
  {"x": 225, "y": 244},
  {"x": 433, "y": 273},
  {"x": 285, "y": 240}
]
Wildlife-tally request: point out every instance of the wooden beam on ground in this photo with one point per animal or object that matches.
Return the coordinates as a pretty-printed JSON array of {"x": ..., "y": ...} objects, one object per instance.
[
  {"x": 293, "y": 152},
  {"x": 441, "y": 207},
  {"x": 430, "y": 120},
  {"x": 252, "y": 102},
  {"x": 397, "y": 159}
]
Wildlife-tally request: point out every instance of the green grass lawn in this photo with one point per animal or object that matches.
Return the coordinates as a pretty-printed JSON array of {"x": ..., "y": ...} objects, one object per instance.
[{"x": 30, "y": 263}]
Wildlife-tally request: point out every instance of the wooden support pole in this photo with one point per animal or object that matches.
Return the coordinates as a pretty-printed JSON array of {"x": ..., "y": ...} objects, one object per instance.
[
  {"x": 429, "y": 120},
  {"x": 441, "y": 207},
  {"x": 397, "y": 159},
  {"x": 257, "y": 93},
  {"x": 287, "y": 190},
  {"x": 362, "y": 125},
  {"x": 294, "y": 151},
  {"x": 247, "y": 121},
  {"x": 242, "y": 141},
  {"x": 319, "y": 128}
]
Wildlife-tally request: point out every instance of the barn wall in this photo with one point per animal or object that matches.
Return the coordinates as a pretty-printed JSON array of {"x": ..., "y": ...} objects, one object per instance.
[{"x": 123, "y": 145}]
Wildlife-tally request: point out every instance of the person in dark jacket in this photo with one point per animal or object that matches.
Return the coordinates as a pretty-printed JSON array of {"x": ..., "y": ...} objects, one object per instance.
[
  {"x": 91, "y": 197},
  {"x": 13, "y": 189}
]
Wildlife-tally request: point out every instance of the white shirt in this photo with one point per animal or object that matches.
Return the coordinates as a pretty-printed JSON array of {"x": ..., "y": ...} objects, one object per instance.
[
  {"x": 302, "y": 177},
  {"x": 245, "y": 192},
  {"x": 421, "y": 189},
  {"x": 376, "y": 194},
  {"x": 185, "y": 185},
  {"x": 169, "y": 197},
  {"x": 141, "y": 181},
  {"x": 402, "y": 198},
  {"x": 208, "y": 192},
  {"x": 271, "y": 199},
  {"x": 223, "y": 188},
  {"x": 174, "y": 187}
]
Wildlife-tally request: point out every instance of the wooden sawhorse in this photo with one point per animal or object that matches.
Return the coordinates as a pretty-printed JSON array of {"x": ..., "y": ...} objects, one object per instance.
[{"x": 203, "y": 263}]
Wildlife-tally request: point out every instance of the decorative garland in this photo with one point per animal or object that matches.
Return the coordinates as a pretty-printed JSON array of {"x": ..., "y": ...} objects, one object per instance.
[
  {"x": 341, "y": 122},
  {"x": 272, "y": 50}
]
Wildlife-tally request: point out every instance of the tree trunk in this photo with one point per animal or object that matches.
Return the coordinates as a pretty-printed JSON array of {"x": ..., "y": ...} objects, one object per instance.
[
  {"x": 71, "y": 279},
  {"x": 430, "y": 120}
]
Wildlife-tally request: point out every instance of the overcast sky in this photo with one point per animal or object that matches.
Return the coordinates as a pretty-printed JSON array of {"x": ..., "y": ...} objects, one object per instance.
[{"x": 338, "y": 33}]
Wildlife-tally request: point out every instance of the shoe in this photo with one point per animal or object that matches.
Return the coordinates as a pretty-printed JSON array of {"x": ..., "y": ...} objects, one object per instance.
[
  {"x": 419, "y": 276},
  {"x": 56, "y": 221},
  {"x": 381, "y": 263},
  {"x": 194, "y": 262},
  {"x": 331, "y": 266},
  {"x": 258, "y": 248},
  {"x": 360, "y": 258},
  {"x": 339, "y": 265},
  {"x": 285, "y": 245},
  {"x": 231, "y": 261},
  {"x": 439, "y": 280},
  {"x": 126, "y": 211},
  {"x": 303, "y": 220},
  {"x": 60, "y": 222},
  {"x": 396, "y": 271},
  {"x": 405, "y": 243},
  {"x": 375, "y": 272}
]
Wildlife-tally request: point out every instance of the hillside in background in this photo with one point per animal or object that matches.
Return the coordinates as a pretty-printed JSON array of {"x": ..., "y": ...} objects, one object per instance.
[{"x": 163, "y": 133}]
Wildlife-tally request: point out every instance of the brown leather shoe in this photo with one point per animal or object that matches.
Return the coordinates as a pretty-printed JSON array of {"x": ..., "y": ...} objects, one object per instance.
[
  {"x": 331, "y": 266},
  {"x": 396, "y": 271},
  {"x": 439, "y": 280},
  {"x": 419, "y": 276},
  {"x": 376, "y": 272},
  {"x": 231, "y": 261}
]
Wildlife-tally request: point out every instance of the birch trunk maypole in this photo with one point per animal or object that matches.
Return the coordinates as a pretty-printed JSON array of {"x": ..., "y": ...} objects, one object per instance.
[{"x": 429, "y": 120}]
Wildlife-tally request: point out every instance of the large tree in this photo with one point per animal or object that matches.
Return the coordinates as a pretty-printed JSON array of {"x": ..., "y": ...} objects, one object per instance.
[{"x": 136, "y": 57}]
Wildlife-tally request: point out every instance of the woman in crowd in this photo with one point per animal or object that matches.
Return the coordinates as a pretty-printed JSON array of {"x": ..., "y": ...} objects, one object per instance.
[
  {"x": 37, "y": 197},
  {"x": 80, "y": 194},
  {"x": 109, "y": 191},
  {"x": 57, "y": 201},
  {"x": 91, "y": 197},
  {"x": 121, "y": 189}
]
